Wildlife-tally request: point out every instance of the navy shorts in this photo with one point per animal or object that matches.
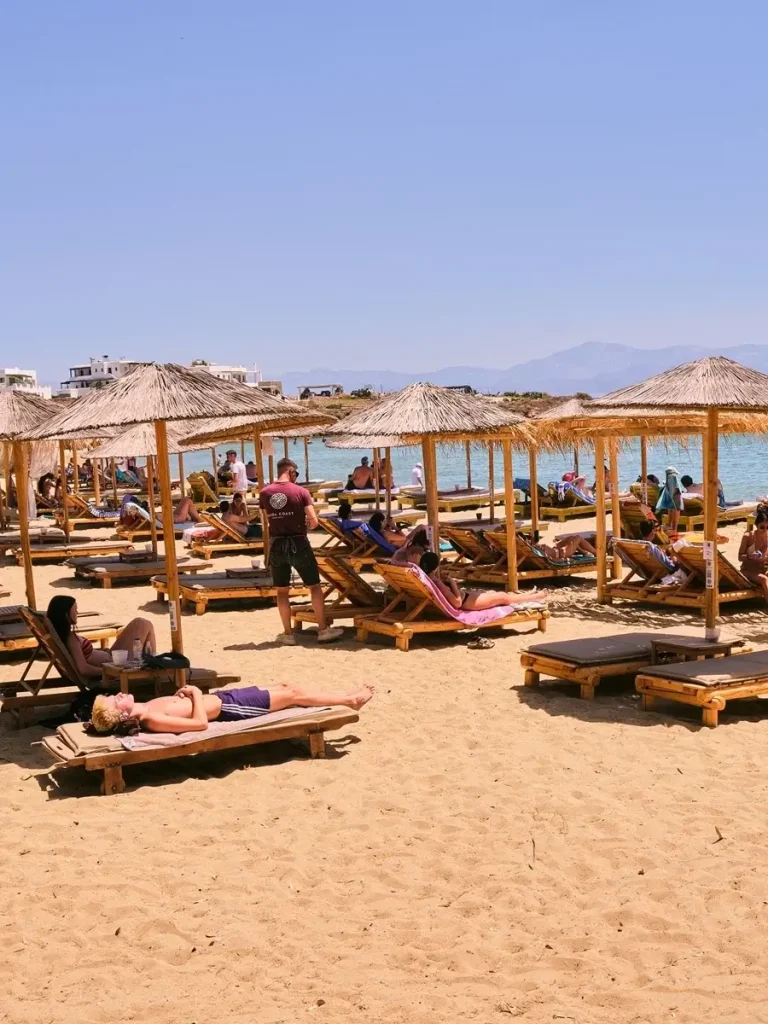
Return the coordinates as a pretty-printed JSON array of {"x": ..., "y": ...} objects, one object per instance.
[
  {"x": 245, "y": 702},
  {"x": 288, "y": 553}
]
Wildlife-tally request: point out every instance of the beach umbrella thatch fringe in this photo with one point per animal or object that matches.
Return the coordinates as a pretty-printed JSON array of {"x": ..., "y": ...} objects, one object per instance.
[{"x": 20, "y": 413}]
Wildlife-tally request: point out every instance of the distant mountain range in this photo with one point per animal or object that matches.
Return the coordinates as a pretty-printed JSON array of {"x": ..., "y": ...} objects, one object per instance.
[{"x": 592, "y": 367}]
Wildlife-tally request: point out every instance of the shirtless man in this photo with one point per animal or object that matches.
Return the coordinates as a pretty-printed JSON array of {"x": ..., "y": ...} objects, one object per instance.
[
  {"x": 361, "y": 477},
  {"x": 190, "y": 710}
]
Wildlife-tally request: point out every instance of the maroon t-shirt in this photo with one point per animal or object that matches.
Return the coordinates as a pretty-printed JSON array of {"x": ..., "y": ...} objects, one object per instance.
[{"x": 284, "y": 504}]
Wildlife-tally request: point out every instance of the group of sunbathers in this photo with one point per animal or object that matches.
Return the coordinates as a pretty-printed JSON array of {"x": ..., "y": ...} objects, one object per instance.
[{"x": 363, "y": 477}]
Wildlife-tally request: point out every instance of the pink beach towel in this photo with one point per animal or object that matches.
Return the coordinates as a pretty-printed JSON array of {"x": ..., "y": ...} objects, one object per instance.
[{"x": 481, "y": 618}]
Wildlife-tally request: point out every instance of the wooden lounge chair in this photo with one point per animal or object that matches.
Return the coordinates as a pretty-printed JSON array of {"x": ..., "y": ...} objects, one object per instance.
[
  {"x": 643, "y": 581},
  {"x": 84, "y": 514},
  {"x": 532, "y": 563},
  {"x": 471, "y": 546},
  {"x": 219, "y": 586},
  {"x": 452, "y": 501},
  {"x": 633, "y": 515},
  {"x": 652, "y": 491},
  {"x": 202, "y": 492},
  {"x": 72, "y": 747},
  {"x": 425, "y": 611},
  {"x": 733, "y": 585},
  {"x": 230, "y": 540},
  {"x": 708, "y": 685},
  {"x": 15, "y": 634},
  {"x": 103, "y": 572},
  {"x": 61, "y": 552},
  {"x": 338, "y": 540},
  {"x": 20, "y": 699},
  {"x": 692, "y": 515},
  {"x": 586, "y": 662},
  {"x": 352, "y": 596}
]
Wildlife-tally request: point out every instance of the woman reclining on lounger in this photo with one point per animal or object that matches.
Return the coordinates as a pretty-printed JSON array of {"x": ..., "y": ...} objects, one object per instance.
[
  {"x": 236, "y": 516},
  {"x": 472, "y": 600},
  {"x": 753, "y": 553},
  {"x": 564, "y": 548},
  {"x": 62, "y": 614},
  {"x": 190, "y": 710},
  {"x": 387, "y": 529}
]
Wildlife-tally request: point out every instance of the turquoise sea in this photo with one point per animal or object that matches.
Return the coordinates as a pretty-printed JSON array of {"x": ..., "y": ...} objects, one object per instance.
[{"x": 742, "y": 470}]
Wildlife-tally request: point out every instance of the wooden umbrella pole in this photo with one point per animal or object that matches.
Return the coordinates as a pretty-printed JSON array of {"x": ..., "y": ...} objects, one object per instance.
[
  {"x": 242, "y": 451},
  {"x": 509, "y": 499},
  {"x": 152, "y": 516},
  {"x": 271, "y": 464},
  {"x": 600, "y": 517},
  {"x": 171, "y": 567},
  {"x": 114, "y": 482},
  {"x": 615, "y": 505},
  {"x": 96, "y": 470},
  {"x": 215, "y": 471},
  {"x": 285, "y": 448},
  {"x": 64, "y": 494},
  {"x": 75, "y": 470},
  {"x": 491, "y": 483},
  {"x": 22, "y": 479},
  {"x": 388, "y": 482},
  {"x": 430, "y": 483},
  {"x": 712, "y": 595},
  {"x": 376, "y": 481},
  {"x": 306, "y": 460},
  {"x": 182, "y": 481},
  {"x": 3, "y": 518},
  {"x": 576, "y": 461},
  {"x": 7, "y": 446},
  {"x": 468, "y": 457},
  {"x": 534, "y": 485},
  {"x": 644, "y": 469},
  {"x": 259, "y": 459}
]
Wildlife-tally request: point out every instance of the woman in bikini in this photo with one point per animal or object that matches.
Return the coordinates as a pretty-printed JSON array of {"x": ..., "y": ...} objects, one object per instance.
[
  {"x": 473, "y": 600},
  {"x": 753, "y": 553},
  {"x": 62, "y": 614}
]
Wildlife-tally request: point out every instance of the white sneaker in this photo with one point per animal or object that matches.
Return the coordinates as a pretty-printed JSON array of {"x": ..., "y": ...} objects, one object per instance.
[
  {"x": 328, "y": 635},
  {"x": 286, "y": 639}
]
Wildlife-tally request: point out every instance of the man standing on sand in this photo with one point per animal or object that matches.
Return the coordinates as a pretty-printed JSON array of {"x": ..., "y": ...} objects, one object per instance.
[
  {"x": 287, "y": 511},
  {"x": 239, "y": 475}
]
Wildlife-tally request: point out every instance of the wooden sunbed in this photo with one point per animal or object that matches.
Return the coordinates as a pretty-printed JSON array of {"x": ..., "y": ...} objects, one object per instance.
[
  {"x": 83, "y": 515},
  {"x": 202, "y": 492},
  {"x": 692, "y": 515},
  {"x": 643, "y": 582},
  {"x": 587, "y": 662},
  {"x": 633, "y": 515},
  {"x": 653, "y": 493},
  {"x": 21, "y": 698},
  {"x": 218, "y": 586},
  {"x": 71, "y": 747},
  {"x": 61, "y": 552},
  {"x": 104, "y": 572},
  {"x": 531, "y": 564},
  {"x": 230, "y": 540},
  {"x": 708, "y": 685},
  {"x": 346, "y": 595},
  {"x": 10, "y": 539},
  {"x": 422, "y": 613},
  {"x": 452, "y": 501},
  {"x": 471, "y": 546}
]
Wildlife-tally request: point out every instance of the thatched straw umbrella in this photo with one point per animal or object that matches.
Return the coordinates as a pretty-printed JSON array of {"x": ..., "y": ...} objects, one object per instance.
[
  {"x": 423, "y": 414},
  {"x": 708, "y": 386},
  {"x": 160, "y": 393},
  {"x": 19, "y": 413}
]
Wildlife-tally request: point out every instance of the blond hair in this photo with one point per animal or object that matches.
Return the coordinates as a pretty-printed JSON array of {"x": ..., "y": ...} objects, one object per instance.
[{"x": 103, "y": 717}]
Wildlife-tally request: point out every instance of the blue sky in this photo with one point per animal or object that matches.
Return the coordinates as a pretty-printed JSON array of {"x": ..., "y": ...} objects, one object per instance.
[{"x": 366, "y": 185}]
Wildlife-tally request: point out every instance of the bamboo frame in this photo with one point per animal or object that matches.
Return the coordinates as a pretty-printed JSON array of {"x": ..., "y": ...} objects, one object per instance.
[
  {"x": 468, "y": 457},
  {"x": 491, "y": 483},
  {"x": 215, "y": 471},
  {"x": 75, "y": 470},
  {"x": 376, "y": 481},
  {"x": 644, "y": 469},
  {"x": 22, "y": 479},
  {"x": 306, "y": 459},
  {"x": 509, "y": 502},
  {"x": 64, "y": 490},
  {"x": 114, "y": 480},
  {"x": 151, "y": 489},
  {"x": 710, "y": 517},
  {"x": 534, "y": 484},
  {"x": 259, "y": 460},
  {"x": 600, "y": 516},
  {"x": 388, "y": 482},
  {"x": 430, "y": 484},
  {"x": 172, "y": 570},
  {"x": 182, "y": 481},
  {"x": 615, "y": 506}
]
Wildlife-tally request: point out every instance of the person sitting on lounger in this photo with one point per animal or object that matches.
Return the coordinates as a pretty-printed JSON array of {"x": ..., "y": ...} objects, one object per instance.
[
  {"x": 649, "y": 533},
  {"x": 344, "y": 518},
  {"x": 697, "y": 490},
  {"x": 62, "y": 614},
  {"x": 361, "y": 477},
  {"x": 472, "y": 600},
  {"x": 387, "y": 529},
  {"x": 753, "y": 553},
  {"x": 185, "y": 512},
  {"x": 412, "y": 551},
  {"x": 251, "y": 472},
  {"x": 236, "y": 516},
  {"x": 191, "y": 710}
]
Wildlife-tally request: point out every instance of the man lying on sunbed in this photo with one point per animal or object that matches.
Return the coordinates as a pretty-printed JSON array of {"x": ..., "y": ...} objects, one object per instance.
[{"x": 190, "y": 710}]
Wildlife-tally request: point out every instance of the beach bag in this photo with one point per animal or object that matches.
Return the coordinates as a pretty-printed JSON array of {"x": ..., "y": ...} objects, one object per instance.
[{"x": 169, "y": 661}]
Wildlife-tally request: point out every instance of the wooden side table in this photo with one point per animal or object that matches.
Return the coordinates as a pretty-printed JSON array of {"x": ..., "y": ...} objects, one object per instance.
[{"x": 693, "y": 648}]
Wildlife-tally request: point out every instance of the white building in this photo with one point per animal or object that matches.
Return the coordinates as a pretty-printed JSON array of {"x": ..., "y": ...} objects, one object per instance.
[
  {"x": 95, "y": 374},
  {"x": 251, "y": 377},
  {"x": 23, "y": 380}
]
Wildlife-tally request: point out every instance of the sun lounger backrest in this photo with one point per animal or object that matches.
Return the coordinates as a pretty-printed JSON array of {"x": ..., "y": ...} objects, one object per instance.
[
  {"x": 471, "y": 543},
  {"x": 346, "y": 580},
  {"x": 41, "y": 629},
  {"x": 692, "y": 557},
  {"x": 199, "y": 483},
  {"x": 639, "y": 555},
  {"x": 211, "y": 519},
  {"x": 401, "y": 578},
  {"x": 367, "y": 536}
]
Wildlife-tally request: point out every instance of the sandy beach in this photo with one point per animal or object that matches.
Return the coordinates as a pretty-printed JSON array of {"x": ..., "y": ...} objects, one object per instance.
[{"x": 469, "y": 851}]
